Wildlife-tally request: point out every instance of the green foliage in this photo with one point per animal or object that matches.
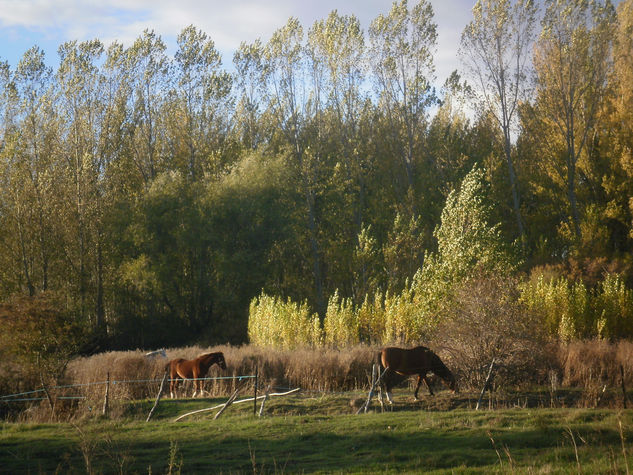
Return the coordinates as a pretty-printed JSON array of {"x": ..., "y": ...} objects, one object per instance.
[
  {"x": 341, "y": 326},
  {"x": 467, "y": 240},
  {"x": 613, "y": 306},
  {"x": 40, "y": 335},
  {"x": 160, "y": 194},
  {"x": 403, "y": 252},
  {"x": 285, "y": 324},
  {"x": 569, "y": 310}
]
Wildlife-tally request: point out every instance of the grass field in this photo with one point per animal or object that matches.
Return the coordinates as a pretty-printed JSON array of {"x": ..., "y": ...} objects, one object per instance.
[{"x": 315, "y": 433}]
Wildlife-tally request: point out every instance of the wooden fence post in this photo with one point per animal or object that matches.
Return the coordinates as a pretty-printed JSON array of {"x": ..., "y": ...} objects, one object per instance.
[
  {"x": 107, "y": 395},
  {"x": 160, "y": 392},
  {"x": 364, "y": 407},
  {"x": 483, "y": 390},
  {"x": 227, "y": 403},
  {"x": 255, "y": 391},
  {"x": 623, "y": 387},
  {"x": 261, "y": 409}
]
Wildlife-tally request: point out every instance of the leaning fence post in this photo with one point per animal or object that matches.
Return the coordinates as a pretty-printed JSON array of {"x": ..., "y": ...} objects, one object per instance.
[
  {"x": 483, "y": 390},
  {"x": 371, "y": 392},
  {"x": 261, "y": 409},
  {"x": 160, "y": 392},
  {"x": 227, "y": 403},
  {"x": 107, "y": 395}
]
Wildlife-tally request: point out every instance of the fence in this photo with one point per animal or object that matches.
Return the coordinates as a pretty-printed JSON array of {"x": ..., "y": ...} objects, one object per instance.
[{"x": 61, "y": 392}]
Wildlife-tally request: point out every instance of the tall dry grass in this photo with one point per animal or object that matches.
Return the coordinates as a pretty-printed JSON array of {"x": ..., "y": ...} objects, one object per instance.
[{"x": 584, "y": 365}]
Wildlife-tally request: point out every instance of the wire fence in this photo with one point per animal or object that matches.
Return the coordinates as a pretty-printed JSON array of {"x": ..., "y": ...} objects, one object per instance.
[{"x": 21, "y": 396}]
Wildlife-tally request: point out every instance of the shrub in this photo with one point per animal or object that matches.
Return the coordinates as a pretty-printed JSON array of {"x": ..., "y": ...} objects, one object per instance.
[
  {"x": 285, "y": 324},
  {"x": 613, "y": 307},
  {"x": 486, "y": 321},
  {"x": 39, "y": 336},
  {"x": 570, "y": 310},
  {"x": 341, "y": 326}
]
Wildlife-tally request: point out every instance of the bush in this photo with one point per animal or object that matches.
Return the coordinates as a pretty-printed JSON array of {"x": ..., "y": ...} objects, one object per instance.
[
  {"x": 571, "y": 311},
  {"x": 39, "y": 336},
  {"x": 341, "y": 326},
  {"x": 487, "y": 321},
  {"x": 285, "y": 324}
]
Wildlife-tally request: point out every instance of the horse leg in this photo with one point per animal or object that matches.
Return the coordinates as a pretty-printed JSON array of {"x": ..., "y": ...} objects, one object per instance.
[
  {"x": 173, "y": 386},
  {"x": 380, "y": 396},
  {"x": 417, "y": 387},
  {"x": 386, "y": 382},
  {"x": 388, "y": 392},
  {"x": 428, "y": 385},
  {"x": 196, "y": 383}
]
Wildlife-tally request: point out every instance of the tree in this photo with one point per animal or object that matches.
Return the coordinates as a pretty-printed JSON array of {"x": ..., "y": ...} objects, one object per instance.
[
  {"x": 147, "y": 67},
  {"x": 248, "y": 61},
  {"x": 401, "y": 51},
  {"x": 40, "y": 335},
  {"x": 572, "y": 60},
  {"x": 495, "y": 46},
  {"x": 335, "y": 52},
  {"x": 29, "y": 167},
  {"x": 199, "y": 111},
  {"x": 86, "y": 152},
  {"x": 288, "y": 106},
  {"x": 467, "y": 241}
]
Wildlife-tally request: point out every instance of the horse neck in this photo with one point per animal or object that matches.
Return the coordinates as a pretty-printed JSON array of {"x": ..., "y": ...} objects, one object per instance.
[
  {"x": 440, "y": 369},
  {"x": 207, "y": 360}
]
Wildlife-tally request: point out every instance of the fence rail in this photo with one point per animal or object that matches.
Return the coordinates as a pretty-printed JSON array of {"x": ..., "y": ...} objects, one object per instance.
[{"x": 16, "y": 397}]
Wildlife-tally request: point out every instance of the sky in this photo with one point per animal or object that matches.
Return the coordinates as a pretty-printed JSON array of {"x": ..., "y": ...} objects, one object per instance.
[{"x": 50, "y": 23}]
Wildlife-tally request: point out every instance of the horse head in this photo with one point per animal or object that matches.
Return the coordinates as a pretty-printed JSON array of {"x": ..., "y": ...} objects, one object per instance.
[
  {"x": 221, "y": 361},
  {"x": 451, "y": 383}
]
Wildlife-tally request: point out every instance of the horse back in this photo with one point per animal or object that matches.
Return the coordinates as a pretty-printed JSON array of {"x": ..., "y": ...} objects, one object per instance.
[
  {"x": 175, "y": 367},
  {"x": 406, "y": 361}
]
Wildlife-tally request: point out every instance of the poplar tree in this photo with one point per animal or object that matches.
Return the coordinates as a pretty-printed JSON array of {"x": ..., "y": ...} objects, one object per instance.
[{"x": 495, "y": 47}]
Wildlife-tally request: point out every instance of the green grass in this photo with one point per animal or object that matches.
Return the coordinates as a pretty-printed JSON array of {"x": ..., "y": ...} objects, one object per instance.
[{"x": 304, "y": 434}]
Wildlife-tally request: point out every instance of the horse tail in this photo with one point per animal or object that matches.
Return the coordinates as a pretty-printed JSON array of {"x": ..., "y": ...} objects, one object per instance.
[{"x": 379, "y": 361}]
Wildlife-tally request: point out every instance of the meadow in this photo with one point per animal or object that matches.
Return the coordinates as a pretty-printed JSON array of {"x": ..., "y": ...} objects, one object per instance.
[
  {"x": 566, "y": 416},
  {"x": 320, "y": 433}
]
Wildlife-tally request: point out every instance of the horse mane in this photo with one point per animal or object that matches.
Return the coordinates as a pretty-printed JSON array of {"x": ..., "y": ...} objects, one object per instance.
[{"x": 208, "y": 358}]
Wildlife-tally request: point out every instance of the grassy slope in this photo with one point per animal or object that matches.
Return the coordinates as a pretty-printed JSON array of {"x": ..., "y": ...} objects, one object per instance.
[{"x": 321, "y": 434}]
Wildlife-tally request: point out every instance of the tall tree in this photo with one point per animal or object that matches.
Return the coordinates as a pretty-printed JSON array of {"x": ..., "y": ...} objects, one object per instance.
[
  {"x": 337, "y": 45},
  {"x": 202, "y": 91},
  {"x": 495, "y": 47},
  {"x": 148, "y": 68},
  {"x": 87, "y": 151},
  {"x": 572, "y": 61},
  {"x": 402, "y": 45},
  {"x": 29, "y": 168},
  {"x": 248, "y": 62},
  {"x": 288, "y": 105}
]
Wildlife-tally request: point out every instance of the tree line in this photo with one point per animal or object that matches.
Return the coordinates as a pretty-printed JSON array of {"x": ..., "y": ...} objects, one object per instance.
[{"x": 156, "y": 196}]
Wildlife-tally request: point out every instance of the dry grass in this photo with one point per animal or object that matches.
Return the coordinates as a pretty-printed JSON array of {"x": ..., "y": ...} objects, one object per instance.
[{"x": 587, "y": 365}]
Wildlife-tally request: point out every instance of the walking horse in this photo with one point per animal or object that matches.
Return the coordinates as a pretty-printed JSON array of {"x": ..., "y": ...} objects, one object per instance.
[
  {"x": 195, "y": 369},
  {"x": 408, "y": 362}
]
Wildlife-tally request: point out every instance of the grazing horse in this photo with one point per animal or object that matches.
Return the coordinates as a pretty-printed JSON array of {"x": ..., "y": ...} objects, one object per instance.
[
  {"x": 407, "y": 362},
  {"x": 192, "y": 369}
]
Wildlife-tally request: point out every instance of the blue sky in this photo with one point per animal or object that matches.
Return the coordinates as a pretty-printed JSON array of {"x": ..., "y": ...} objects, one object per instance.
[{"x": 49, "y": 23}]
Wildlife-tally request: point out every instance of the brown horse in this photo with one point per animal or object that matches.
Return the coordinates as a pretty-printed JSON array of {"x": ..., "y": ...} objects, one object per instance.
[
  {"x": 192, "y": 369},
  {"x": 407, "y": 362}
]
